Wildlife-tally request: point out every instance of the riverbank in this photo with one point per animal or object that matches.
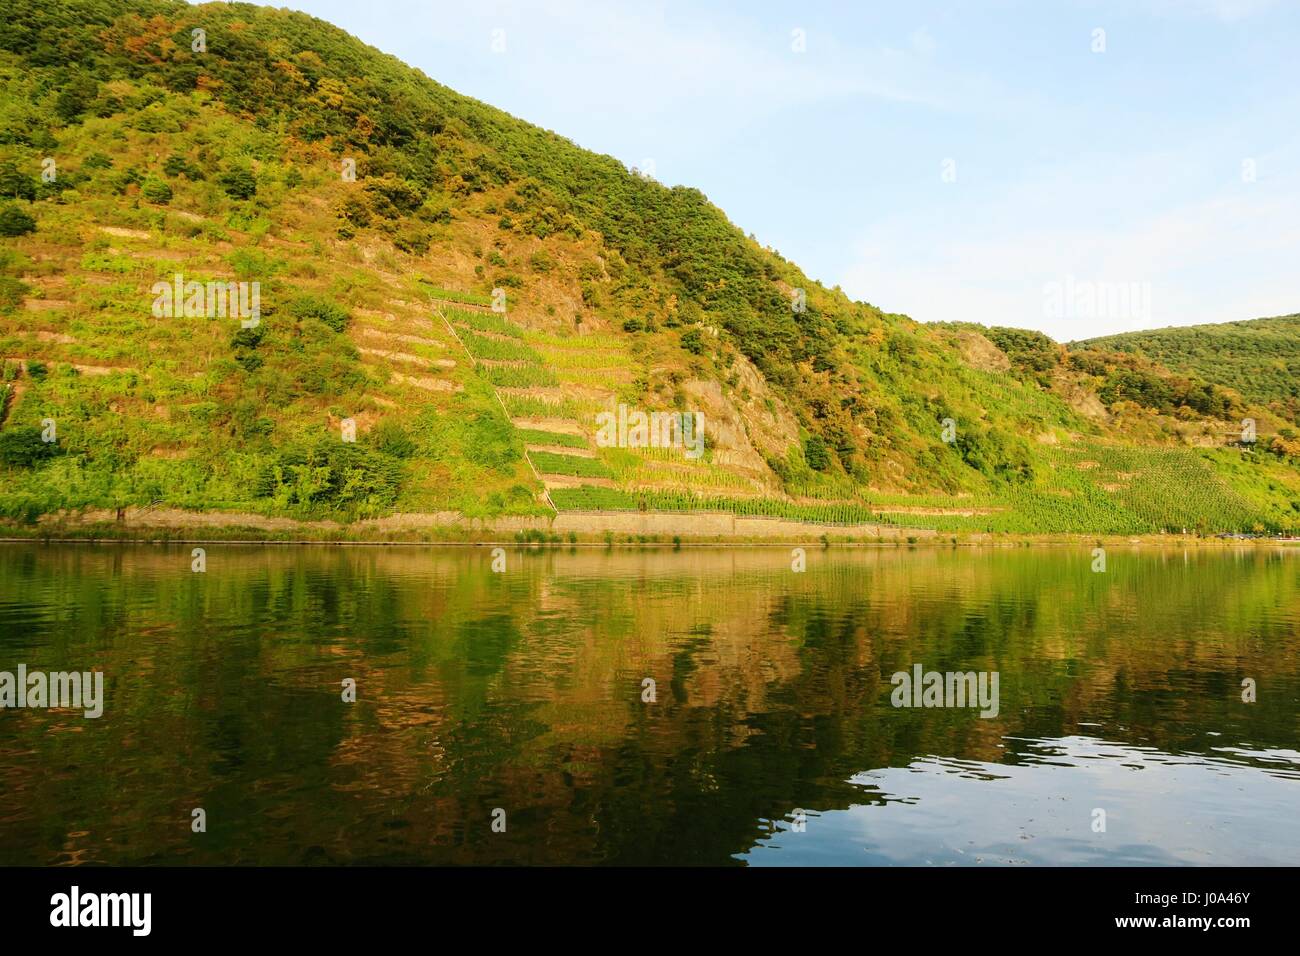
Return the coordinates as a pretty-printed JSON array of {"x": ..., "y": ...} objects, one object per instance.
[{"x": 567, "y": 528}]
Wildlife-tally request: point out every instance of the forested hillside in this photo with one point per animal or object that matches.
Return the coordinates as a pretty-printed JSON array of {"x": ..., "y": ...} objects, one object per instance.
[
  {"x": 466, "y": 293},
  {"x": 1260, "y": 358}
]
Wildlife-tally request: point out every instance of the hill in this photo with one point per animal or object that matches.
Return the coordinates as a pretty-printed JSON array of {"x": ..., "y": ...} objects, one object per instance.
[
  {"x": 466, "y": 294},
  {"x": 1260, "y": 358}
]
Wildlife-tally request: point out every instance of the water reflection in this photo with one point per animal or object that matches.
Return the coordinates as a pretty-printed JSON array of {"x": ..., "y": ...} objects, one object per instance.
[
  {"x": 1160, "y": 809},
  {"x": 524, "y": 691}
]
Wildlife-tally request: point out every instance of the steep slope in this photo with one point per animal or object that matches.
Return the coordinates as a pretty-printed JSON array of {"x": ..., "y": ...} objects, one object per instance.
[{"x": 467, "y": 294}]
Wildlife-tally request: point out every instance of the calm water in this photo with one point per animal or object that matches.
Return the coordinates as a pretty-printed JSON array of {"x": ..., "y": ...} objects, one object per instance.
[{"x": 523, "y": 691}]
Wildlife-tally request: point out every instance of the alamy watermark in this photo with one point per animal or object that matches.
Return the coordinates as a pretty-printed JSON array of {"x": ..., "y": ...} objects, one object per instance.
[
  {"x": 75, "y": 908},
  {"x": 1074, "y": 298},
  {"x": 637, "y": 429},
  {"x": 922, "y": 688},
  {"x": 77, "y": 690},
  {"x": 197, "y": 300}
]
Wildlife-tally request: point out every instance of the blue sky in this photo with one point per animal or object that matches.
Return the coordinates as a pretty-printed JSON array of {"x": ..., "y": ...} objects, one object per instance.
[{"x": 977, "y": 161}]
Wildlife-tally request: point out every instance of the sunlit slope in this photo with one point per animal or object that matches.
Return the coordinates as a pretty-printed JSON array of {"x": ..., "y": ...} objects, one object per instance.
[
  {"x": 1260, "y": 358},
  {"x": 466, "y": 294}
]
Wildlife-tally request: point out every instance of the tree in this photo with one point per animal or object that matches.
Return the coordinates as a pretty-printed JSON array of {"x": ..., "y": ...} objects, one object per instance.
[
  {"x": 156, "y": 191},
  {"x": 14, "y": 221},
  {"x": 15, "y": 184},
  {"x": 23, "y": 447},
  {"x": 816, "y": 454},
  {"x": 239, "y": 183}
]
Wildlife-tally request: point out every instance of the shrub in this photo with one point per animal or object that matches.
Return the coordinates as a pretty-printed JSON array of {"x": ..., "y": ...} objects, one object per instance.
[
  {"x": 413, "y": 241},
  {"x": 12, "y": 293},
  {"x": 23, "y": 447},
  {"x": 14, "y": 221},
  {"x": 392, "y": 197},
  {"x": 337, "y": 475},
  {"x": 156, "y": 191},
  {"x": 239, "y": 183},
  {"x": 323, "y": 310},
  {"x": 75, "y": 98},
  {"x": 15, "y": 184},
  {"x": 392, "y": 439},
  {"x": 177, "y": 165},
  {"x": 814, "y": 451},
  {"x": 693, "y": 341}
]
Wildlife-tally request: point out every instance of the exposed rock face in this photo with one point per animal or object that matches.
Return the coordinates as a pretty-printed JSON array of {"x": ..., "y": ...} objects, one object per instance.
[
  {"x": 981, "y": 353},
  {"x": 742, "y": 431}
]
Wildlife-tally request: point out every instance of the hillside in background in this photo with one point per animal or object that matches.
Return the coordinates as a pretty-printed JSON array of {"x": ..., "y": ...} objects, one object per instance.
[
  {"x": 380, "y": 213},
  {"x": 1260, "y": 358}
]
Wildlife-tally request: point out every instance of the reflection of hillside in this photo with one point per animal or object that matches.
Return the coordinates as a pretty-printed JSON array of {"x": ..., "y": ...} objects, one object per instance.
[{"x": 523, "y": 690}]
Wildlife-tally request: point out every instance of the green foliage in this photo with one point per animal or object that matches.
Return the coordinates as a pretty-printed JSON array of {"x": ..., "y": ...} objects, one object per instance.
[
  {"x": 12, "y": 293},
  {"x": 306, "y": 307},
  {"x": 14, "y": 220},
  {"x": 331, "y": 476},
  {"x": 550, "y": 463},
  {"x": 392, "y": 197},
  {"x": 178, "y": 165},
  {"x": 15, "y": 184},
  {"x": 1260, "y": 358},
  {"x": 693, "y": 341},
  {"x": 484, "y": 322},
  {"x": 23, "y": 447},
  {"x": 156, "y": 190},
  {"x": 453, "y": 295},
  {"x": 520, "y": 376},
  {"x": 815, "y": 453},
  {"x": 996, "y": 454},
  {"x": 536, "y": 437},
  {"x": 498, "y": 349},
  {"x": 75, "y": 98},
  {"x": 392, "y": 439},
  {"x": 239, "y": 183},
  {"x": 1030, "y": 352}
]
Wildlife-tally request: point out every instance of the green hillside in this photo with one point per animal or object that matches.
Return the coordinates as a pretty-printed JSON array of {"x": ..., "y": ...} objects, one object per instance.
[
  {"x": 1259, "y": 358},
  {"x": 383, "y": 216}
]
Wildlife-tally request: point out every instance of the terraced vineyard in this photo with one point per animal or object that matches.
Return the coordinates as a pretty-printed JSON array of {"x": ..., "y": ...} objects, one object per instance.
[
  {"x": 378, "y": 323},
  {"x": 1109, "y": 489}
]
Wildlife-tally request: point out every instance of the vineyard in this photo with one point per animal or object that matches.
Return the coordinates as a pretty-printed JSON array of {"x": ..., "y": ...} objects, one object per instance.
[
  {"x": 549, "y": 463},
  {"x": 534, "y": 436},
  {"x": 452, "y": 295},
  {"x": 520, "y": 376},
  {"x": 502, "y": 350},
  {"x": 483, "y": 322},
  {"x": 1105, "y": 488}
]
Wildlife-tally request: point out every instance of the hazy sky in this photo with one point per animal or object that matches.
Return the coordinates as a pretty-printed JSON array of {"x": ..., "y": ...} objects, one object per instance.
[{"x": 964, "y": 160}]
